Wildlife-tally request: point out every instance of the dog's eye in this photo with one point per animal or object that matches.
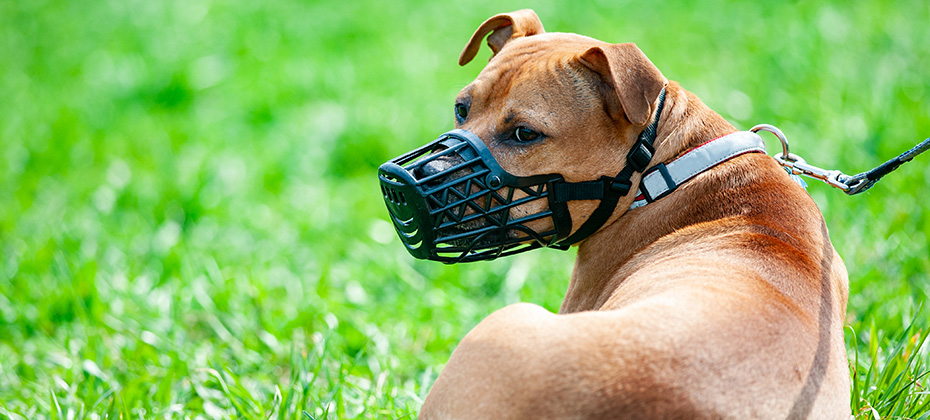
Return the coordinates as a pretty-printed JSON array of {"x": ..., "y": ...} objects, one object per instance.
[
  {"x": 524, "y": 134},
  {"x": 461, "y": 111}
]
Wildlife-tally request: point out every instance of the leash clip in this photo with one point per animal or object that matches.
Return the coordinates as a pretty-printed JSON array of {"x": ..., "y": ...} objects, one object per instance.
[
  {"x": 796, "y": 165},
  {"x": 856, "y": 183}
]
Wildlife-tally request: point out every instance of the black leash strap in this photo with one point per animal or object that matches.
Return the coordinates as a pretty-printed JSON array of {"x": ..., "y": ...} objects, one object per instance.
[{"x": 864, "y": 181}]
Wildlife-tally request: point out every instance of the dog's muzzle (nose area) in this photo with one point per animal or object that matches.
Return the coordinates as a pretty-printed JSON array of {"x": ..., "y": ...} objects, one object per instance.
[
  {"x": 451, "y": 201},
  {"x": 436, "y": 166}
]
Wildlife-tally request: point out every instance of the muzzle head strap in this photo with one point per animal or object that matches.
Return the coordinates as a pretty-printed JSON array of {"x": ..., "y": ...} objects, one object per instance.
[{"x": 637, "y": 160}]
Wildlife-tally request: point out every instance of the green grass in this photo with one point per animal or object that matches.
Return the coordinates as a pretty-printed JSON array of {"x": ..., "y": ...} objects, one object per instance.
[{"x": 190, "y": 225}]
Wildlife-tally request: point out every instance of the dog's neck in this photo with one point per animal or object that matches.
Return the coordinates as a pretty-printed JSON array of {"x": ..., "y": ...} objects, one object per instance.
[{"x": 685, "y": 123}]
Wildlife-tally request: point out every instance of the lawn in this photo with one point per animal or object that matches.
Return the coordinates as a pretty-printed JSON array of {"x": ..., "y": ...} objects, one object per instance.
[{"x": 191, "y": 226}]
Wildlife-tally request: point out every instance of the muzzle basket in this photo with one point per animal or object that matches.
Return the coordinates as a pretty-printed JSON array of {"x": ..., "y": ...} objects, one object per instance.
[{"x": 450, "y": 201}]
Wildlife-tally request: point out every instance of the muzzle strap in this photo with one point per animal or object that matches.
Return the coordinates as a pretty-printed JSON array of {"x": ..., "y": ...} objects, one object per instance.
[
  {"x": 611, "y": 189},
  {"x": 564, "y": 192}
]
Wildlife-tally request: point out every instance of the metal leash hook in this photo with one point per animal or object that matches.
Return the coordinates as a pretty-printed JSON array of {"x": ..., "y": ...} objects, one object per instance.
[{"x": 798, "y": 166}]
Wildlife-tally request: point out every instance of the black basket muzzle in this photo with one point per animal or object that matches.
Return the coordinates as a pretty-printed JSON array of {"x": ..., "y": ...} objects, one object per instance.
[{"x": 451, "y": 201}]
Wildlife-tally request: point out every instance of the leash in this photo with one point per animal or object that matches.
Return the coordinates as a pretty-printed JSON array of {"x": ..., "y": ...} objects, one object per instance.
[{"x": 851, "y": 185}]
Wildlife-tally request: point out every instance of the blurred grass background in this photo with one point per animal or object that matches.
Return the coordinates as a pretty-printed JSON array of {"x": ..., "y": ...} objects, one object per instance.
[{"x": 190, "y": 224}]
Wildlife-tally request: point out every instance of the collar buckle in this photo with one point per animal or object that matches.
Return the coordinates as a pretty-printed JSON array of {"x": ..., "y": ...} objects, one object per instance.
[{"x": 666, "y": 176}]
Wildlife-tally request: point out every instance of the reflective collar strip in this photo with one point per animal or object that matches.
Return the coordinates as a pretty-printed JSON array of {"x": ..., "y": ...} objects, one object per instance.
[{"x": 662, "y": 179}]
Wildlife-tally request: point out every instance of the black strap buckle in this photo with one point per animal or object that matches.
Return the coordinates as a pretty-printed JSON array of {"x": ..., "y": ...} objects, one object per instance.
[
  {"x": 619, "y": 186},
  {"x": 640, "y": 156}
]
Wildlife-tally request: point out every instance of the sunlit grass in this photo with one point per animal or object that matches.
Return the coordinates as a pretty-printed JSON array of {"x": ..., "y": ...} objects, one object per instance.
[
  {"x": 190, "y": 225},
  {"x": 890, "y": 381}
]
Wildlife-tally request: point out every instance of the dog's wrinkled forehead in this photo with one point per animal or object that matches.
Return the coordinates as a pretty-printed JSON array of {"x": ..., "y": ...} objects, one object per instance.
[
  {"x": 539, "y": 56},
  {"x": 629, "y": 79},
  {"x": 537, "y": 70}
]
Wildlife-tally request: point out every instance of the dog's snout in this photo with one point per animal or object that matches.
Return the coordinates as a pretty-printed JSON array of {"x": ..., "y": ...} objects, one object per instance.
[
  {"x": 437, "y": 166},
  {"x": 433, "y": 167}
]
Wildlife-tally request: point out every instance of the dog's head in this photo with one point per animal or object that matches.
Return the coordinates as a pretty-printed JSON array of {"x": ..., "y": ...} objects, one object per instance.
[{"x": 548, "y": 108}]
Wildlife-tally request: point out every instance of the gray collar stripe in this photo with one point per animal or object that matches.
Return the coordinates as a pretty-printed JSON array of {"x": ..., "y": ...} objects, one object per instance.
[{"x": 659, "y": 181}]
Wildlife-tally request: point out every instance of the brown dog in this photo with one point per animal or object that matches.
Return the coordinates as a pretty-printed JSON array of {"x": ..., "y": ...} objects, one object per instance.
[{"x": 724, "y": 299}]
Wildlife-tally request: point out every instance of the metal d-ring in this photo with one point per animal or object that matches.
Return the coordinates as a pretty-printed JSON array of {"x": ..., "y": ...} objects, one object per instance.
[{"x": 781, "y": 137}]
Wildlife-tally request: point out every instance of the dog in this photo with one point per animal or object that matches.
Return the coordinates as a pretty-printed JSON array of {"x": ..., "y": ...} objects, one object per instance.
[{"x": 720, "y": 298}]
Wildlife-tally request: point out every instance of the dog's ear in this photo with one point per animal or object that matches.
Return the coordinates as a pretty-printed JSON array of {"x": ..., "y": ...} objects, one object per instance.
[
  {"x": 506, "y": 26},
  {"x": 633, "y": 82}
]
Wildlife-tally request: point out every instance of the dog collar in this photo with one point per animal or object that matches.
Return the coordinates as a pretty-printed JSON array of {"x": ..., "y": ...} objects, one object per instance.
[{"x": 662, "y": 179}]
